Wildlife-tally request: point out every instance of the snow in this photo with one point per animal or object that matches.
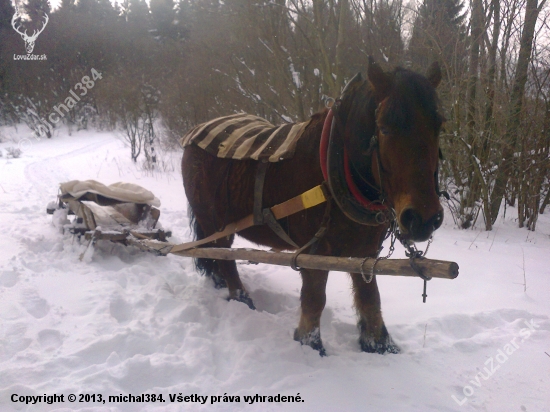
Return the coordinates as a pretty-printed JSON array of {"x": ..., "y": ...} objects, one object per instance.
[
  {"x": 266, "y": 45},
  {"x": 295, "y": 76},
  {"x": 123, "y": 322}
]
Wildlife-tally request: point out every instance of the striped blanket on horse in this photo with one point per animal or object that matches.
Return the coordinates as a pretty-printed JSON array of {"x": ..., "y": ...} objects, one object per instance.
[{"x": 244, "y": 136}]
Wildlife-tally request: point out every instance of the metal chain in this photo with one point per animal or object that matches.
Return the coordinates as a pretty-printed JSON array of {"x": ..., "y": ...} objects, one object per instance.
[
  {"x": 390, "y": 252},
  {"x": 412, "y": 251},
  {"x": 428, "y": 246}
]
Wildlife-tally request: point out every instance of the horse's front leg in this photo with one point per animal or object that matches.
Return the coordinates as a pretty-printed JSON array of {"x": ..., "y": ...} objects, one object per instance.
[
  {"x": 374, "y": 337},
  {"x": 313, "y": 299}
]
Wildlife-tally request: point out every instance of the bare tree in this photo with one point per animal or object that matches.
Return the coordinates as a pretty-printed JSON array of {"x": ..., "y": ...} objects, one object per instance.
[{"x": 510, "y": 140}]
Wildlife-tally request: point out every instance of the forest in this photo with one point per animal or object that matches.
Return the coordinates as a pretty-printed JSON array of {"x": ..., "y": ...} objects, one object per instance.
[{"x": 154, "y": 69}]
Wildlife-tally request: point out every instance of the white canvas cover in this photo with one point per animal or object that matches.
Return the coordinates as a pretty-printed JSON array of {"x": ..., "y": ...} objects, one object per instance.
[{"x": 124, "y": 192}]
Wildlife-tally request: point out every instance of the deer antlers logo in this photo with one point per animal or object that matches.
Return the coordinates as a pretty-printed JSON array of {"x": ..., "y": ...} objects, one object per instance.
[{"x": 29, "y": 40}]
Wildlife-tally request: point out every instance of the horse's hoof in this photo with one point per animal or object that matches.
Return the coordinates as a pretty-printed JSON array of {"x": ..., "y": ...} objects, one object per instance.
[
  {"x": 382, "y": 346},
  {"x": 242, "y": 296},
  {"x": 219, "y": 283},
  {"x": 312, "y": 339}
]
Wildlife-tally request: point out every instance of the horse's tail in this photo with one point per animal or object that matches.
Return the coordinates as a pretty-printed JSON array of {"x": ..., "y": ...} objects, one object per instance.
[{"x": 206, "y": 267}]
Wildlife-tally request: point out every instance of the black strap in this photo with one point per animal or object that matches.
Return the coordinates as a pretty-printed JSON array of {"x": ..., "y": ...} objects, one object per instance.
[
  {"x": 261, "y": 171},
  {"x": 440, "y": 193},
  {"x": 314, "y": 241},
  {"x": 270, "y": 220},
  {"x": 265, "y": 216}
]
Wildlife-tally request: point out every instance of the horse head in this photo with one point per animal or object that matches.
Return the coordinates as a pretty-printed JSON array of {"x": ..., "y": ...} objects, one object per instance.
[{"x": 391, "y": 126}]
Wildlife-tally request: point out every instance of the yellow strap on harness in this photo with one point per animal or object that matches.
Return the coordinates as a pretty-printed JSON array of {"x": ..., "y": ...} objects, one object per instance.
[{"x": 312, "y": 197}]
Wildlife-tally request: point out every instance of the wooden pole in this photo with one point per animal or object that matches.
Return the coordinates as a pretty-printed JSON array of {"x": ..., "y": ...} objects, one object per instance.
[{"x": 392, "y": 267}]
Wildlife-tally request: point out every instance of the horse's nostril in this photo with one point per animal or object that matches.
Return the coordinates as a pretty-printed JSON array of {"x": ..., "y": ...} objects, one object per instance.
[
  {"x": 438, "y": 220},
  {"x": 411, "y": 220}
]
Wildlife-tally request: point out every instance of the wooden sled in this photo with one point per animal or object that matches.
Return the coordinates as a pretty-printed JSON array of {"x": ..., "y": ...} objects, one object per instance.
[{"x": 112, "y": 213}]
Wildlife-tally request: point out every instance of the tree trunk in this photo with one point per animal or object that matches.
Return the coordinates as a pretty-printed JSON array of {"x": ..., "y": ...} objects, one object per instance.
[
  {"x": 491, "y": 74},
  {"x": 516, "y": 104},
  {"x": 472, "y": 133},
  {"x": 343, "y": 7},
  {"x": 476, "y": 37}
]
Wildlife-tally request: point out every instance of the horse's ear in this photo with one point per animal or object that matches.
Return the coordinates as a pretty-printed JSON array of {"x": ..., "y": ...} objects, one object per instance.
[
  {"x": 379, "y": 80},
  {"x": 355, "y": 79},
  {"x": 434, "y": 74}
]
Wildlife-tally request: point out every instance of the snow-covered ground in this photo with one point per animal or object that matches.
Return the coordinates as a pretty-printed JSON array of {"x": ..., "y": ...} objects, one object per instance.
[{"x": 125, "y": 322}]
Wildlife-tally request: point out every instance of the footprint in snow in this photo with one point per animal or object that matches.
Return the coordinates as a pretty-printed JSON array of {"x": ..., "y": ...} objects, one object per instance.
[
  {"x": 50, "y": 339},
  {"x": 9, "y": 278},
  {"x": 120, "y": 309},
  {"x": 273, "y": 302},
  {"x": 34, "y": 304}
]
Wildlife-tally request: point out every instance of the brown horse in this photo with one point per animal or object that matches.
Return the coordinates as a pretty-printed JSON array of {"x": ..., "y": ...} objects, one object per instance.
[{"x": 390, "y": 126}]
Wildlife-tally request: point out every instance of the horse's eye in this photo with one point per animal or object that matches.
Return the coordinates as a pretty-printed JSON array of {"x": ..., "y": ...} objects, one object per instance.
[{"x": 385, "y": 131}]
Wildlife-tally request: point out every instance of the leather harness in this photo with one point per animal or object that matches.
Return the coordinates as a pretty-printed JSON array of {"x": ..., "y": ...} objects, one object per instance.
[
  {"x": 376, "y": 211},
  {"x": 338, "y": 185}
]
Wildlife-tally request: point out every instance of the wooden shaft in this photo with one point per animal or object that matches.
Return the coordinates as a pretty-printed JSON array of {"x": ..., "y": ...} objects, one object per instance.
[{"x": 393, "y": 267}]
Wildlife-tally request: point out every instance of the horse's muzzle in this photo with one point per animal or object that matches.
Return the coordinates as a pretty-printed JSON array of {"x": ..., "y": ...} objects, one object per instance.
[{"x": 414, "y": 228}]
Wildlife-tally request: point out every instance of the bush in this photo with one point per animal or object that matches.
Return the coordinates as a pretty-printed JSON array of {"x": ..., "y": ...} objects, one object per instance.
[{"x": 13, "y": 152}]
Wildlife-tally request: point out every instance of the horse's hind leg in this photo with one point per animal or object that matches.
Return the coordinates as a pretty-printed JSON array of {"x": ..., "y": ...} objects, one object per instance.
[
  {"x": 313, "y": 299},
  {"x": 209, "y": 268},
  {"x": 224, "y": 273},
  {"x": 227, "y": 270},
  {"x": 374, "y": 336}
]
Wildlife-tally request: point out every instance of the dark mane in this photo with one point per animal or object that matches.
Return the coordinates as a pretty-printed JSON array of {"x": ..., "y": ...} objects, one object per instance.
[
  {"x": 358, "y": 113},
  {"x": 410, "y": 91}
]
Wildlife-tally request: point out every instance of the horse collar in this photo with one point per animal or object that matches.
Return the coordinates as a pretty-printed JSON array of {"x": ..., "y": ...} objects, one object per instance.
[{"x": 376, "y": 208}]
